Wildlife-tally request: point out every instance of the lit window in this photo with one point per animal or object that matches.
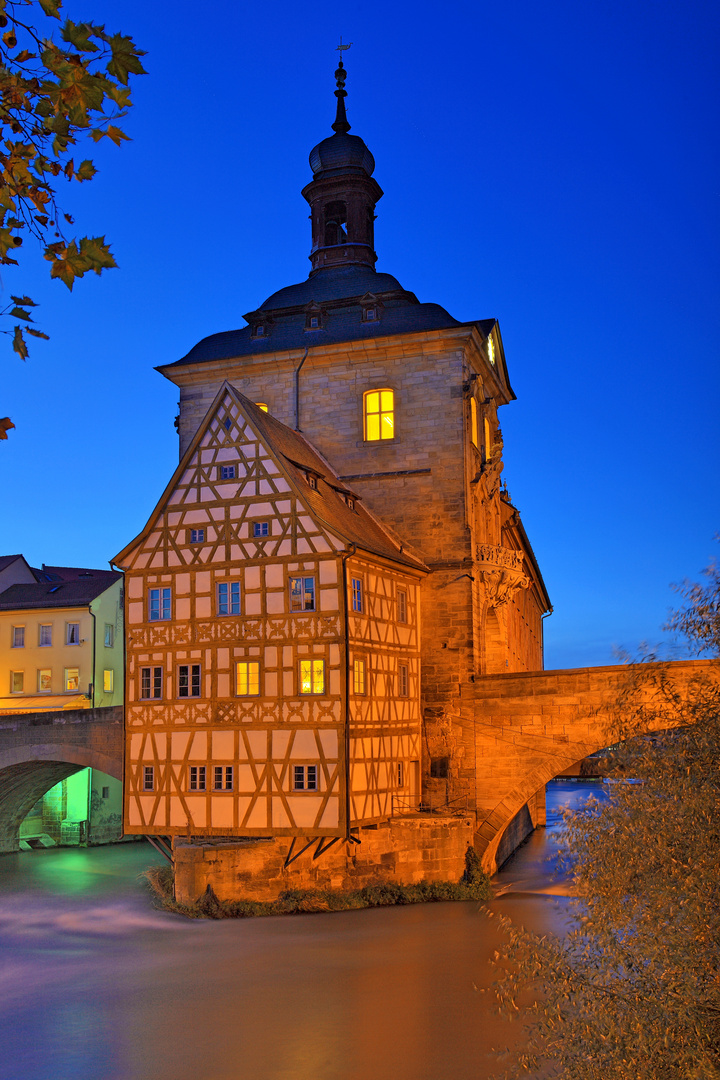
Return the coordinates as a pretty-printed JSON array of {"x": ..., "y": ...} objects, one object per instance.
[
  {"x": 18, "y": 637},
  {"x": 197, "y": 536},
  {"x": 312, "y": 676},
  {"x": 109, "y": 635},
  {"x": 148, "y": 778},
  {"x": 160, "y": 603},
  {"x": 17, "y": 682},
  {"x": 400, "y": 774},
  {"x": 72, "y": 633},
  {"x": 312, "y": 481},
  {"x": 45, "y": 635},
  {"x": 189, "y": 680},
  {"x": 491, "y": 350},
  {"x": 379, "y": 409},
  {"x": 228, "y": 598},
  {"x": 304, "y": 777},
  {"x": 108, "y": 680},
  {"x": 488, "y": 445},
  {"x": 248, "y": 678},
  {"x": 261, "y": 528},
  {"x": 72, "y": 678},
  {"x": 302, "y": 593},
  {"x": 197, "y": 777},
  {"x": 473, "y": 421},
  {"x": 223, "y": 778},
  {"x": 357, "y": 594},
  {"x": 262, "y": 405},
  {"x": 403, "y": 681},
  {"x": 359, "y": 676},
  {"x": 44, "y": 681},
  {"x": 402, "y": 606},
  {"x": 151, "y": 682},
  {"x": 227, "y": 472}
]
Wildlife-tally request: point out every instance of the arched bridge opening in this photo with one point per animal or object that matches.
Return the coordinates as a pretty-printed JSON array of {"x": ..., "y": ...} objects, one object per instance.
[{"x": 38, "y": 751}]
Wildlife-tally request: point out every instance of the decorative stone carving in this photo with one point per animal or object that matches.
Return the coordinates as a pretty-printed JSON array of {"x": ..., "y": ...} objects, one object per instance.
[{"x": 501, "y": 572}]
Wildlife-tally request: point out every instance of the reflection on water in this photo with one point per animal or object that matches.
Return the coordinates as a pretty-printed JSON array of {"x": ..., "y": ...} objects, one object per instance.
[{"x": 97, "y": 985}]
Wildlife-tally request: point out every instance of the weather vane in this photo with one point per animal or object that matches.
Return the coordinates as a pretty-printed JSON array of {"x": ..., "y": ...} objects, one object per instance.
[{"x": 342, "y": 48}]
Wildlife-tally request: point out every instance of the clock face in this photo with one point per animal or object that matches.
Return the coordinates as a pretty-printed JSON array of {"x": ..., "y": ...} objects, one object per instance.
[{"x": 491, "y": 350}]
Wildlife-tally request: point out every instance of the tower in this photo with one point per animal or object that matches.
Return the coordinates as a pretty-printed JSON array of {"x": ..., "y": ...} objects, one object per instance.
[{"x": 402, "y": 401}]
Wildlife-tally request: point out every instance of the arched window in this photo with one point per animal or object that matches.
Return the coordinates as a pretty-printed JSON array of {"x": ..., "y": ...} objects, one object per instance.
[
  {"x": 473, "y": 421},
  {"x": 335, "y": 224},
  {"x": 488, "y": 444},
  {"x": 379, "y": 415}
]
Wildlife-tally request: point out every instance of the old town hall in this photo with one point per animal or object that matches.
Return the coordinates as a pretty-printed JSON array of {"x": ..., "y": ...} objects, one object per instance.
[{"x": 332, "y": 565}]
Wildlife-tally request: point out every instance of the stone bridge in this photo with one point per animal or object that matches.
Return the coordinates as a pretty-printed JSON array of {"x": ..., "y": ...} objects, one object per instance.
[
  {"x": 521, "y": 730},
  {"x": 38, "y": 750}
]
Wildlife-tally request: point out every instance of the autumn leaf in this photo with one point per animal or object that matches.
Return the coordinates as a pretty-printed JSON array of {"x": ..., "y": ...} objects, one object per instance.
[{"x": 19, "y": 345}]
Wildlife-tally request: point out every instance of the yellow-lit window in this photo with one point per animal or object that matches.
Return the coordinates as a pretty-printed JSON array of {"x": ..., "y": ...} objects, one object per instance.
[
  {"x": 488, "y": 445},
  {"x": 72, "y": 678},
  {"x": 312, "y": 676},
  {"x": 379, "y": 409},
  {"x": 248, "y": 678},
  {"x": 473, "y": 421},
  {"x": 359, "y": 676},
  {"x": 262, "y": 405},
  {"x": 108, "y": 680}
]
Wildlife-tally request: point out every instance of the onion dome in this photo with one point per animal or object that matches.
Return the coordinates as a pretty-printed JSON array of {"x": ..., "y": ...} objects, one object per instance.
[{"x": 341, "y": 150}]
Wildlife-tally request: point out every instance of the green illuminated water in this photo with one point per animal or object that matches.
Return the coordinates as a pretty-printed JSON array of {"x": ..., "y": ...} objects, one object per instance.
[{"x": 97, "y": 985}]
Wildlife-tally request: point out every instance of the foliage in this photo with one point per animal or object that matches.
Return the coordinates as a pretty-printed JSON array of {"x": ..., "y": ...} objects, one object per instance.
[
  {"x": 54, "y": 92},
  {"x": 633, "y": 990},
  {"x": 699, "y": 620},
  {"x": 299, "y": 901}
]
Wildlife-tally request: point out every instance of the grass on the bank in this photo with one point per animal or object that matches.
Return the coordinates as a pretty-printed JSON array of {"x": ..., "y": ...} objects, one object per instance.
[{"x": 474, "y": 885}]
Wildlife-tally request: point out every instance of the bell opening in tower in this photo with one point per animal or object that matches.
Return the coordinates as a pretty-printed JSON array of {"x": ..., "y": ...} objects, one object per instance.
[{"x": 335, "y": 224}]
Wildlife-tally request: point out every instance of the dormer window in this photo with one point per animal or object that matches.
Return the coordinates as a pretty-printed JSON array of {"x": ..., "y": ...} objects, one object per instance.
[
  {"x": 313, "y": 317},
  {"x": 259, "y": 330},
  {"x": 312, "y": 481},
  {"x": 314, "y": 322},
  {"x": 371, "y": 308},
  {"x": 371, "y": 314},
  {"x": 350, "y": 503}
]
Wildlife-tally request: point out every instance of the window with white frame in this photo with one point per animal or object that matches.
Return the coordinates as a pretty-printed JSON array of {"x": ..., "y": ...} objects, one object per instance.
[
  {"x": 312, "y": 676},
  {"x": 109, "y": 635},
  {"x": 72, "y": 679},
  {"x": 44, "y": 681},
  {"x": 261, "y": 528},
  {"x": 247, "y": 678},
  {"x": 148, "y": 777},
  {"x": 359, "y": 676},
  {"x": 223, "y": 777},
  {"x": 17, "y": 682},
  {"x": 160, "y": 604},
  {"x": 108, "y": 680},
  {"x": 18, "y": 637},
  {"x": 196, "y": 536},
  {"x": 302, "y": 593},
  {"x": 305, "y": 778},
  {"x": 151, "y": 682},
  {"x": 402, "y": 606},
  {"x": 403, "y": 681},
  {"x": 189, "y": 680},
  {"x": 45, "y": 635},
  {"x": 72, "y": 633},
  {"x": 228, "y": 598},
  {"x": 357, "y": 594},
  {"x": 197, "y": 777}
]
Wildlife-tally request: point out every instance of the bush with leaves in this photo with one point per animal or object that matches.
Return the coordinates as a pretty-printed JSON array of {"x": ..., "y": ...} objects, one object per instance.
[
  {"x": 632, "y": 992},
  {"x": 54, "y": 92}
]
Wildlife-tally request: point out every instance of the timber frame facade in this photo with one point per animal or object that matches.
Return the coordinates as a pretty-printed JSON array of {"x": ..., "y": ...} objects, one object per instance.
[{"x": 273, "y": 682}]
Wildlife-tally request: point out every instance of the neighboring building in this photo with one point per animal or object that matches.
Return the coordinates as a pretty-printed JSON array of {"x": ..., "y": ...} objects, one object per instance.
[
  {"x": 402, "y": 400},
  {"x": 61, "y": 641}
]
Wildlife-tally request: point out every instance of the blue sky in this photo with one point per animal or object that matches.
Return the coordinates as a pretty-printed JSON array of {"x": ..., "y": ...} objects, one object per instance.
[{"x": 555, "y": 167}]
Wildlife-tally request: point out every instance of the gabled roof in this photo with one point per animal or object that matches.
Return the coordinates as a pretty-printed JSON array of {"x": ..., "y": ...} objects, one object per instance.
[
  {"x": 48, "y": 594},
  {"x": 73, "y": 573},
  {"x": 297, "y": 457},
  {"x": 8, "y": 560}
]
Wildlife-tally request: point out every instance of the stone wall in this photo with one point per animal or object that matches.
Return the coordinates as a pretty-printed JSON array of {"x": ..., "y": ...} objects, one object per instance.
[{"x": 403, "y": 850}]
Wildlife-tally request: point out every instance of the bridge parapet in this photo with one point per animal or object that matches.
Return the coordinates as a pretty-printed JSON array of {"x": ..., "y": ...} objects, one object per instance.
[{"x": 531, "y": 726}]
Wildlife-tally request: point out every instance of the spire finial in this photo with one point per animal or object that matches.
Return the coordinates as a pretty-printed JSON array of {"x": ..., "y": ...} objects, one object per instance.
[{"x": 341, "y": 123}]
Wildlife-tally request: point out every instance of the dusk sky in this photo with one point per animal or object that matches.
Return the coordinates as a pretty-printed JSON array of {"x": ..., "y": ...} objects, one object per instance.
[{"x": 553, "y": 166}]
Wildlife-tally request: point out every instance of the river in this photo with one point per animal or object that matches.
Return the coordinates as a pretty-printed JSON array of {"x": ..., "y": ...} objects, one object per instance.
[{"x": 96, "y": 984}]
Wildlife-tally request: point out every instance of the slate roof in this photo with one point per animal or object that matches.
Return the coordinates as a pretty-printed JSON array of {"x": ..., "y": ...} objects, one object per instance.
[
  {"x": 48, "y": 594},
  {"x": 338, "y": 291},
  {"x": 73, "y": 573}
]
